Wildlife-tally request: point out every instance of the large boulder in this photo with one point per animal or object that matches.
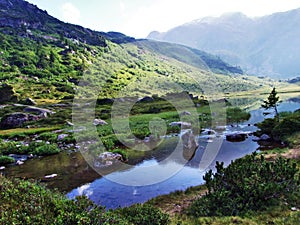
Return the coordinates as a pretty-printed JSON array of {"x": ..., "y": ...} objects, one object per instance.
[
  {"x": 189, "y": 144},
  {"x": 16, "y": 120},
  {"x": 7, "y": 94}
]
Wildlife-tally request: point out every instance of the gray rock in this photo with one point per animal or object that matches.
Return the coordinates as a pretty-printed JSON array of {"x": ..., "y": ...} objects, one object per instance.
[
  {"x": 39, "y": 111},
  {"x": 62, "y": 136},
  {"x": 184, "y": 125},
  {"x": 185, "y": 113},
  {"x": 108, "y": 159},
  {"x": 265, "y": 137},
  {"x": 99, "y": 122},
  {"x": 189, "y": 144},
  {"x": 70, "y": 124},
  {"x": 16, "y": 120},
  {"x": 2, "y": 168},
  {"x": 51, "y": 176},
  {"x": 19, "y": 162}
]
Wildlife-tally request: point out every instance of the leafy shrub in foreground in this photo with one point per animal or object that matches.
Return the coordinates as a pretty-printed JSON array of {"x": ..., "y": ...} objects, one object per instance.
[
  {"x": 248, "y": 184},
  {"x": 144, "y": 215},
  {"x": 23, "y": 202}
]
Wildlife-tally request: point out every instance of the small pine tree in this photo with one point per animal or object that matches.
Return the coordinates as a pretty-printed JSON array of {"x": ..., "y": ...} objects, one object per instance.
[{"x": 271, "y": 102}]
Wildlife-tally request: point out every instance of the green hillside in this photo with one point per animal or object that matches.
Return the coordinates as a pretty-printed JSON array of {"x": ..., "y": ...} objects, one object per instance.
[{"x": 44, "y": 58}]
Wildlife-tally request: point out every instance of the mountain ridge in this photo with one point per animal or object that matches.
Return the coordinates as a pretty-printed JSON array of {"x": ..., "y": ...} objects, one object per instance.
[{"x": 261, "y": 45}]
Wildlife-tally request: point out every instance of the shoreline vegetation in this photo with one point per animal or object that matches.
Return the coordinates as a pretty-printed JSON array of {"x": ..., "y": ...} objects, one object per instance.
[{"x": 178, "y": 207}]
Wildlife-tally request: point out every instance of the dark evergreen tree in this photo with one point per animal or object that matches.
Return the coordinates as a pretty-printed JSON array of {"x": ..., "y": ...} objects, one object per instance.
[{"x": 271, "y": 102}]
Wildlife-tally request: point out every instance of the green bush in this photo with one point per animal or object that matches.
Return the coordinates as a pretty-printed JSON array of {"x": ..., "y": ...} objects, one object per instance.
[
  {"x": 23, "y": 202},
  {"x": 288, "y": 124},
  {"x": 248, "y": 184},
  {"x": 121, "y": 152},
  {"x": 237, "y": 115},
  {"x": 48, "y": 136},
  {"x": 144, "y": 215},
  {"x": 6, "y": 160},
  {"x": 11, "y": 147},
  {"x": 42, "y": 149}
]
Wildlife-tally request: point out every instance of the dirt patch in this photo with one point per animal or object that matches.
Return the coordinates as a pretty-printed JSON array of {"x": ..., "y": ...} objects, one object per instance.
[{"x": 289, "y": 154}]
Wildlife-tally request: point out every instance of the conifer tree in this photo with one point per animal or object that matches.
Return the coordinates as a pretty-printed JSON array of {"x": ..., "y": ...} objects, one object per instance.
[{"x": 271, "y": 102}]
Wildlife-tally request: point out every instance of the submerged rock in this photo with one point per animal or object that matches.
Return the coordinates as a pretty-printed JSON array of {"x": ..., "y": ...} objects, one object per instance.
[{"x": 236, "y": 137}]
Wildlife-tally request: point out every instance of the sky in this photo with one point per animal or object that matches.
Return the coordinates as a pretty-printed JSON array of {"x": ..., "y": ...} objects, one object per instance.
[{"x": 137, "y": 18}]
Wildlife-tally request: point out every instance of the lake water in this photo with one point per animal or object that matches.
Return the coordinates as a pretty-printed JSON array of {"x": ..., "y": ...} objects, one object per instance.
[{"x": 75, "y": 177}]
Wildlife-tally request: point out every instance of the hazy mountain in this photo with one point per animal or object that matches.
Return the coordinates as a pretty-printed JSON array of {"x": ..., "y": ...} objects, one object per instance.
[{"x": 265, "y": 46}]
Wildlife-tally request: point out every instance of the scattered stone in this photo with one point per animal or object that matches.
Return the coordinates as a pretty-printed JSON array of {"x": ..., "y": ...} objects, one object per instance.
[
  {"x": 51, "y": 176},
  {"x": 294, "y": 209},
  {"x": 184, "y": 125},
  {"x": 2, "y": 168},
  {"x": 30, "y": 156},
  {"x": 265, "y": 137},
  {"x": 70, "y": 124},
  {"x": 62, "y": 136},
  {"x": 185, "y": 113},
  {"x": 19, "y": 162},
  {"x": 99, "y": 122},
  {"x": 108, "y": 159}
]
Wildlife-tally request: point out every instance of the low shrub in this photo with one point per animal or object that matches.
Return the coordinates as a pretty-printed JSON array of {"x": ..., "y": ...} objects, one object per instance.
[
  {"x": 247, "y": 184},
  {"x": 4, "y": 160},
  {"x": 144, "y": 215},
  {"x": 43, "y": 149}
]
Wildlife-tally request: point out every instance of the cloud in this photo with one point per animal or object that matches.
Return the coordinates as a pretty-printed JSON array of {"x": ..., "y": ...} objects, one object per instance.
[{"x": 70, "y": 13}]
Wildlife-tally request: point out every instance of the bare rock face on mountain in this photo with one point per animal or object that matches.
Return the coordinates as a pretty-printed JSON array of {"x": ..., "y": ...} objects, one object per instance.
[
  {"x": 266, "y": 46},
  {"x": 7, "y": 94}
]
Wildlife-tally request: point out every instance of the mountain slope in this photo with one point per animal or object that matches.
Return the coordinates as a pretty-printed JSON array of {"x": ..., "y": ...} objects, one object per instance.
[
  {"x": 44, "y": 58},
  {"x": 265, "y": 46}
]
